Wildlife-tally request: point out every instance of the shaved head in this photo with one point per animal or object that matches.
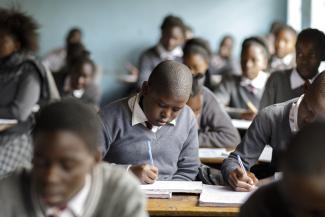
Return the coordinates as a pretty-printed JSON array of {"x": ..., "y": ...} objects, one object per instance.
[{"x": 171, "y": 78}]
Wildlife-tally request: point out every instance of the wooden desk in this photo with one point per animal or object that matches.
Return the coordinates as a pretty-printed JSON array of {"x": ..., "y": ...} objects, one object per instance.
[{"x": 186, "y": 205}]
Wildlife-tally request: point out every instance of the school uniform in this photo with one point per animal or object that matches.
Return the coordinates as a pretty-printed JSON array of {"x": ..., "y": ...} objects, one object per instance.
[
  {"x": 150, "y": 58},
  {"x": 236, "y": 91},
  {"x": 267, "y": 201},
  {"x": 89, "y": 95},
  {"x": 216, "y": 129},
  {"x": 275, "y": 125},
  {"x": 282, "y": 86},
  {"x": 108, "y": 191},
  {"x": 281, "y": 64},
  {"x": 223, "y": 67},
  {"x": 174, "y": 145}
]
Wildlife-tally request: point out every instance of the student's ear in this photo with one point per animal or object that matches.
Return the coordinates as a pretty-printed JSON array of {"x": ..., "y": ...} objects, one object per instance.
[{"x": 145, "y": 87}]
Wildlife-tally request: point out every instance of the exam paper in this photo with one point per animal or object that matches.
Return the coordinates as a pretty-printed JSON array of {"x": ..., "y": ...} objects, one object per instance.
[{"x": 175, "y": 186}]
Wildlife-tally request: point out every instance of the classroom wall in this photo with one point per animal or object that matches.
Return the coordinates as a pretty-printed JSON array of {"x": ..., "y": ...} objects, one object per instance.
[{"x": 116, "y": 31}]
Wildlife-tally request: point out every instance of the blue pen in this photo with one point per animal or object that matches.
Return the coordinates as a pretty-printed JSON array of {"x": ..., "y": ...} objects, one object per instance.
[
  {"x": 150, "y": 152},
  {"x": 241, "y": 164}
]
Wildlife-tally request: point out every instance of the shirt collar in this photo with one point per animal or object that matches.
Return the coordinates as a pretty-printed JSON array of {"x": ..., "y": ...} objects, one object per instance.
[
  {"x": 293, "y": 115},
  {"x": 138, "y": 116},
  {"x": 169, "y": 55},
  {"x": 258, "y": 82},
  {"x": 297, "y": 81}
]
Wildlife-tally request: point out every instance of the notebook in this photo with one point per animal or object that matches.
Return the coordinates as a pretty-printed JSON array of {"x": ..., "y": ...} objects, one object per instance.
[
  {"x": 174, "y": 187},
  {"x": 223, "y": 196}
]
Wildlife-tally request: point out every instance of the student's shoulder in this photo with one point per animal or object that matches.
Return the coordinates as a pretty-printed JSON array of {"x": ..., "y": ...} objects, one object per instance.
[
  {"x": 278, "y": 109},
  {"x": 231, "y": 80},
  {"x": 209, "y": 99},
  {"x": 114, "y": 108},
  {"x": 186, "y": 115},
  {"x": 11, "y": 184},
  {"x": 151, "y": 51},
  {"x": 279, "y": 76}
]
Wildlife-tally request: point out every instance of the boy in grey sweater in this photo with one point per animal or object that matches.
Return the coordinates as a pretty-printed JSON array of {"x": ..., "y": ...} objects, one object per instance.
[
  {"x": 154, "y": 133},
  {"x": 274, "y": 126},
  {"x": 67, "y": 178}
]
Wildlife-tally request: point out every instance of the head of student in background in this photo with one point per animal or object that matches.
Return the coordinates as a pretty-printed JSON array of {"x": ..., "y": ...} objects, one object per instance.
[
  {"x": 74, "y": 36},
  {"x": 197, "y": 56},
  {"x": 195, "y": 101},
  {"x": 312, "y": 106},
  {"x": 76, "y": 51},
  {"x": 172, "y": 32},
  {"x": 166, "y": 92},
  {"x": 285, "y": 41},
  {"x": 66, "y": 140},
  {"x": 226, "y": 47},
  {"x": 303, "y": 169},
  {"x": 18, "y": 33},
  {"x": 189, "y": 33},
  {"x": 82, "y": 73},
  {"x": 254, "y": 57},
  {"x": 310, "y": 48}
]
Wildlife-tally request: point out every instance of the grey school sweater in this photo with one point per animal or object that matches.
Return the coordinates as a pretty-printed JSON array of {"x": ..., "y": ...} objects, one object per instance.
[
  {"x": 174, "y": 148},
  {"x": 216, "y": 129},
  {"x": 270, "y": 127},
  {"x": 278, "y": 89},
  {"x": 113, "y": 193}
]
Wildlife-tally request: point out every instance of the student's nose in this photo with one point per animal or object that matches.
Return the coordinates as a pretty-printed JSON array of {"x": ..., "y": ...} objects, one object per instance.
[
  {"x": 52, "y": 175},
  {"x": 81, "y": 80},
  {"x": 249, "y": 64},
  {"x": 166, "y": 113}
]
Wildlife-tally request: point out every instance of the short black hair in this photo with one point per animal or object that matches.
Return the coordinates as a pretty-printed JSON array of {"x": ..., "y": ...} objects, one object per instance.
[
  {"x": 198, "y": 46},
  {"x": 305, "y": 152},
  {"x": 80, "y": 61},
  {"x": 71, "y": 32},
  {"x": 284, "y": 27},
  {"x": 70, "y": 115},
  {"x": 171, "y": 78},
  {"x": 21, "y": 26},
  {"x": 256, "y": 40},
  {"x": 75, "y": 52},
  {"x": 225, "y": 37},
  {"x": 171, "y": 21},
  {"x": 315, "y": 36}
]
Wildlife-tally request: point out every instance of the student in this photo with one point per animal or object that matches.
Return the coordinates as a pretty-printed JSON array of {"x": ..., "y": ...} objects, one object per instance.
[
  {"x": 82, "y": 85},
  {"x": 169, "y": 47},
  {"x": 55, "y": 60},
  {"x": 22, "y": 86},
  {"x": 67, "y": 178},
  {"x": 246, "y": 91},
  {"x": 215, "y": 128},
  {"x": 284, "y": 49},
  {"x": 301, "y": 190},
  {"x": 288, "y": 84},
  {"x": 223, "y": 63},
  {"x": 156, "y": 117},
  {"x": 275, "y": 125}
]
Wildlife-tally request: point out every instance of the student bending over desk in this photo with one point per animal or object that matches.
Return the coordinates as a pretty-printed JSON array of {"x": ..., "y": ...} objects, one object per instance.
[
  {"x": 274, "y": 125},
  {"x": 154, "y": 132}
]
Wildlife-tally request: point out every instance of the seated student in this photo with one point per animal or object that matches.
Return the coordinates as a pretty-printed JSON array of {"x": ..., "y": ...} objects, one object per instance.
[
  {"x": 158, "y": 115},
  {"x": 215, "y": 127},
  {"x": 67, "y": 178},
  {"x": 284, "y": 85},
  {"x": 301, "y": 190},
  {"x": 246, "y": 91},
  {"x": 82, "y": 86},
  {"x": 223, "y": 63},
  {"x": 169, "y": 47},
  {"x": 284, "y": 49},
  {"x": 274, "y": 126}
]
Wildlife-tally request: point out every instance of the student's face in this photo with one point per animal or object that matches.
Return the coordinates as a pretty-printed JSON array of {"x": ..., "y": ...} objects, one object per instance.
[
  {"x": 75, "y": 38},
  {"x": 284, "y": 43},
  {"x": 82, "y": 76},
  {"x": 61, "y": 162},
  {"x": 8, "y": 44},
  {"x": 312, "y": 107},
  {"x": 225, "y": 50},
  {"x": 196, "y": 63},
  {"x": 306, "y": 195},
  {"x": 253, "y": 60},
  {"x": 161, "y": 108},
  {"x": 308, "y": 58},
  {"x": 172, "y": 37},
  {"x": 196, "y": 105}
]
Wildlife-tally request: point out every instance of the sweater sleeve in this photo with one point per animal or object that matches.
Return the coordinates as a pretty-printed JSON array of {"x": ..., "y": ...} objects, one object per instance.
[
  {"x": 188, "y": 161},
  {"x": 257, "y": 137},
  {"x": 27, "y": 95},
  {"x": 216, "y": 129}
]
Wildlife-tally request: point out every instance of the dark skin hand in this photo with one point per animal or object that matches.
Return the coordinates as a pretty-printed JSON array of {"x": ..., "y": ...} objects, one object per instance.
[
  {"x": 241, "y": 182},
  {"x": 147, "y": 174}
]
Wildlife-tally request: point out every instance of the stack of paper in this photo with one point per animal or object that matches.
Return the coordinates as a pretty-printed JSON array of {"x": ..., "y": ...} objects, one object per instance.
[
  {"x": 158, "y": 194},
  {"x": 174, "y": 187},
  {"x": 213, "y": 153},
  {"x": 213, "y": 195}
]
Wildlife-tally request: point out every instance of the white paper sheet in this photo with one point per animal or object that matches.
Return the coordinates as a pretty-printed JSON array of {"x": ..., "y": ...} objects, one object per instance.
[
  {"x": 8, "y": 121},
  {"x": 175, "y": 186},
  {"x": 241, "y": 124}
]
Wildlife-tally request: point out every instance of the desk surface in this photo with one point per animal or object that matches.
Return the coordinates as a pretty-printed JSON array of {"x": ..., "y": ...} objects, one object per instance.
[{"x": 186, "y": 205}]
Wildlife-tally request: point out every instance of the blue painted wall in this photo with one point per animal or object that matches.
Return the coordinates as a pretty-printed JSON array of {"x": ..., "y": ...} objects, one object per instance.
[{"x": 116, "y": 31}]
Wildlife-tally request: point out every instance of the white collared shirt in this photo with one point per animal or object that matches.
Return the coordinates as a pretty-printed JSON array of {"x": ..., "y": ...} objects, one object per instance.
[
  {"x": 293, "y": 115},
  {"x": 297, "y": 81},
  {"x": 258, "y": 82},
  {"x": 169, "y": 55},
  {"x": 75, "y": 207},
  {"x": 138, "y": 116}
]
